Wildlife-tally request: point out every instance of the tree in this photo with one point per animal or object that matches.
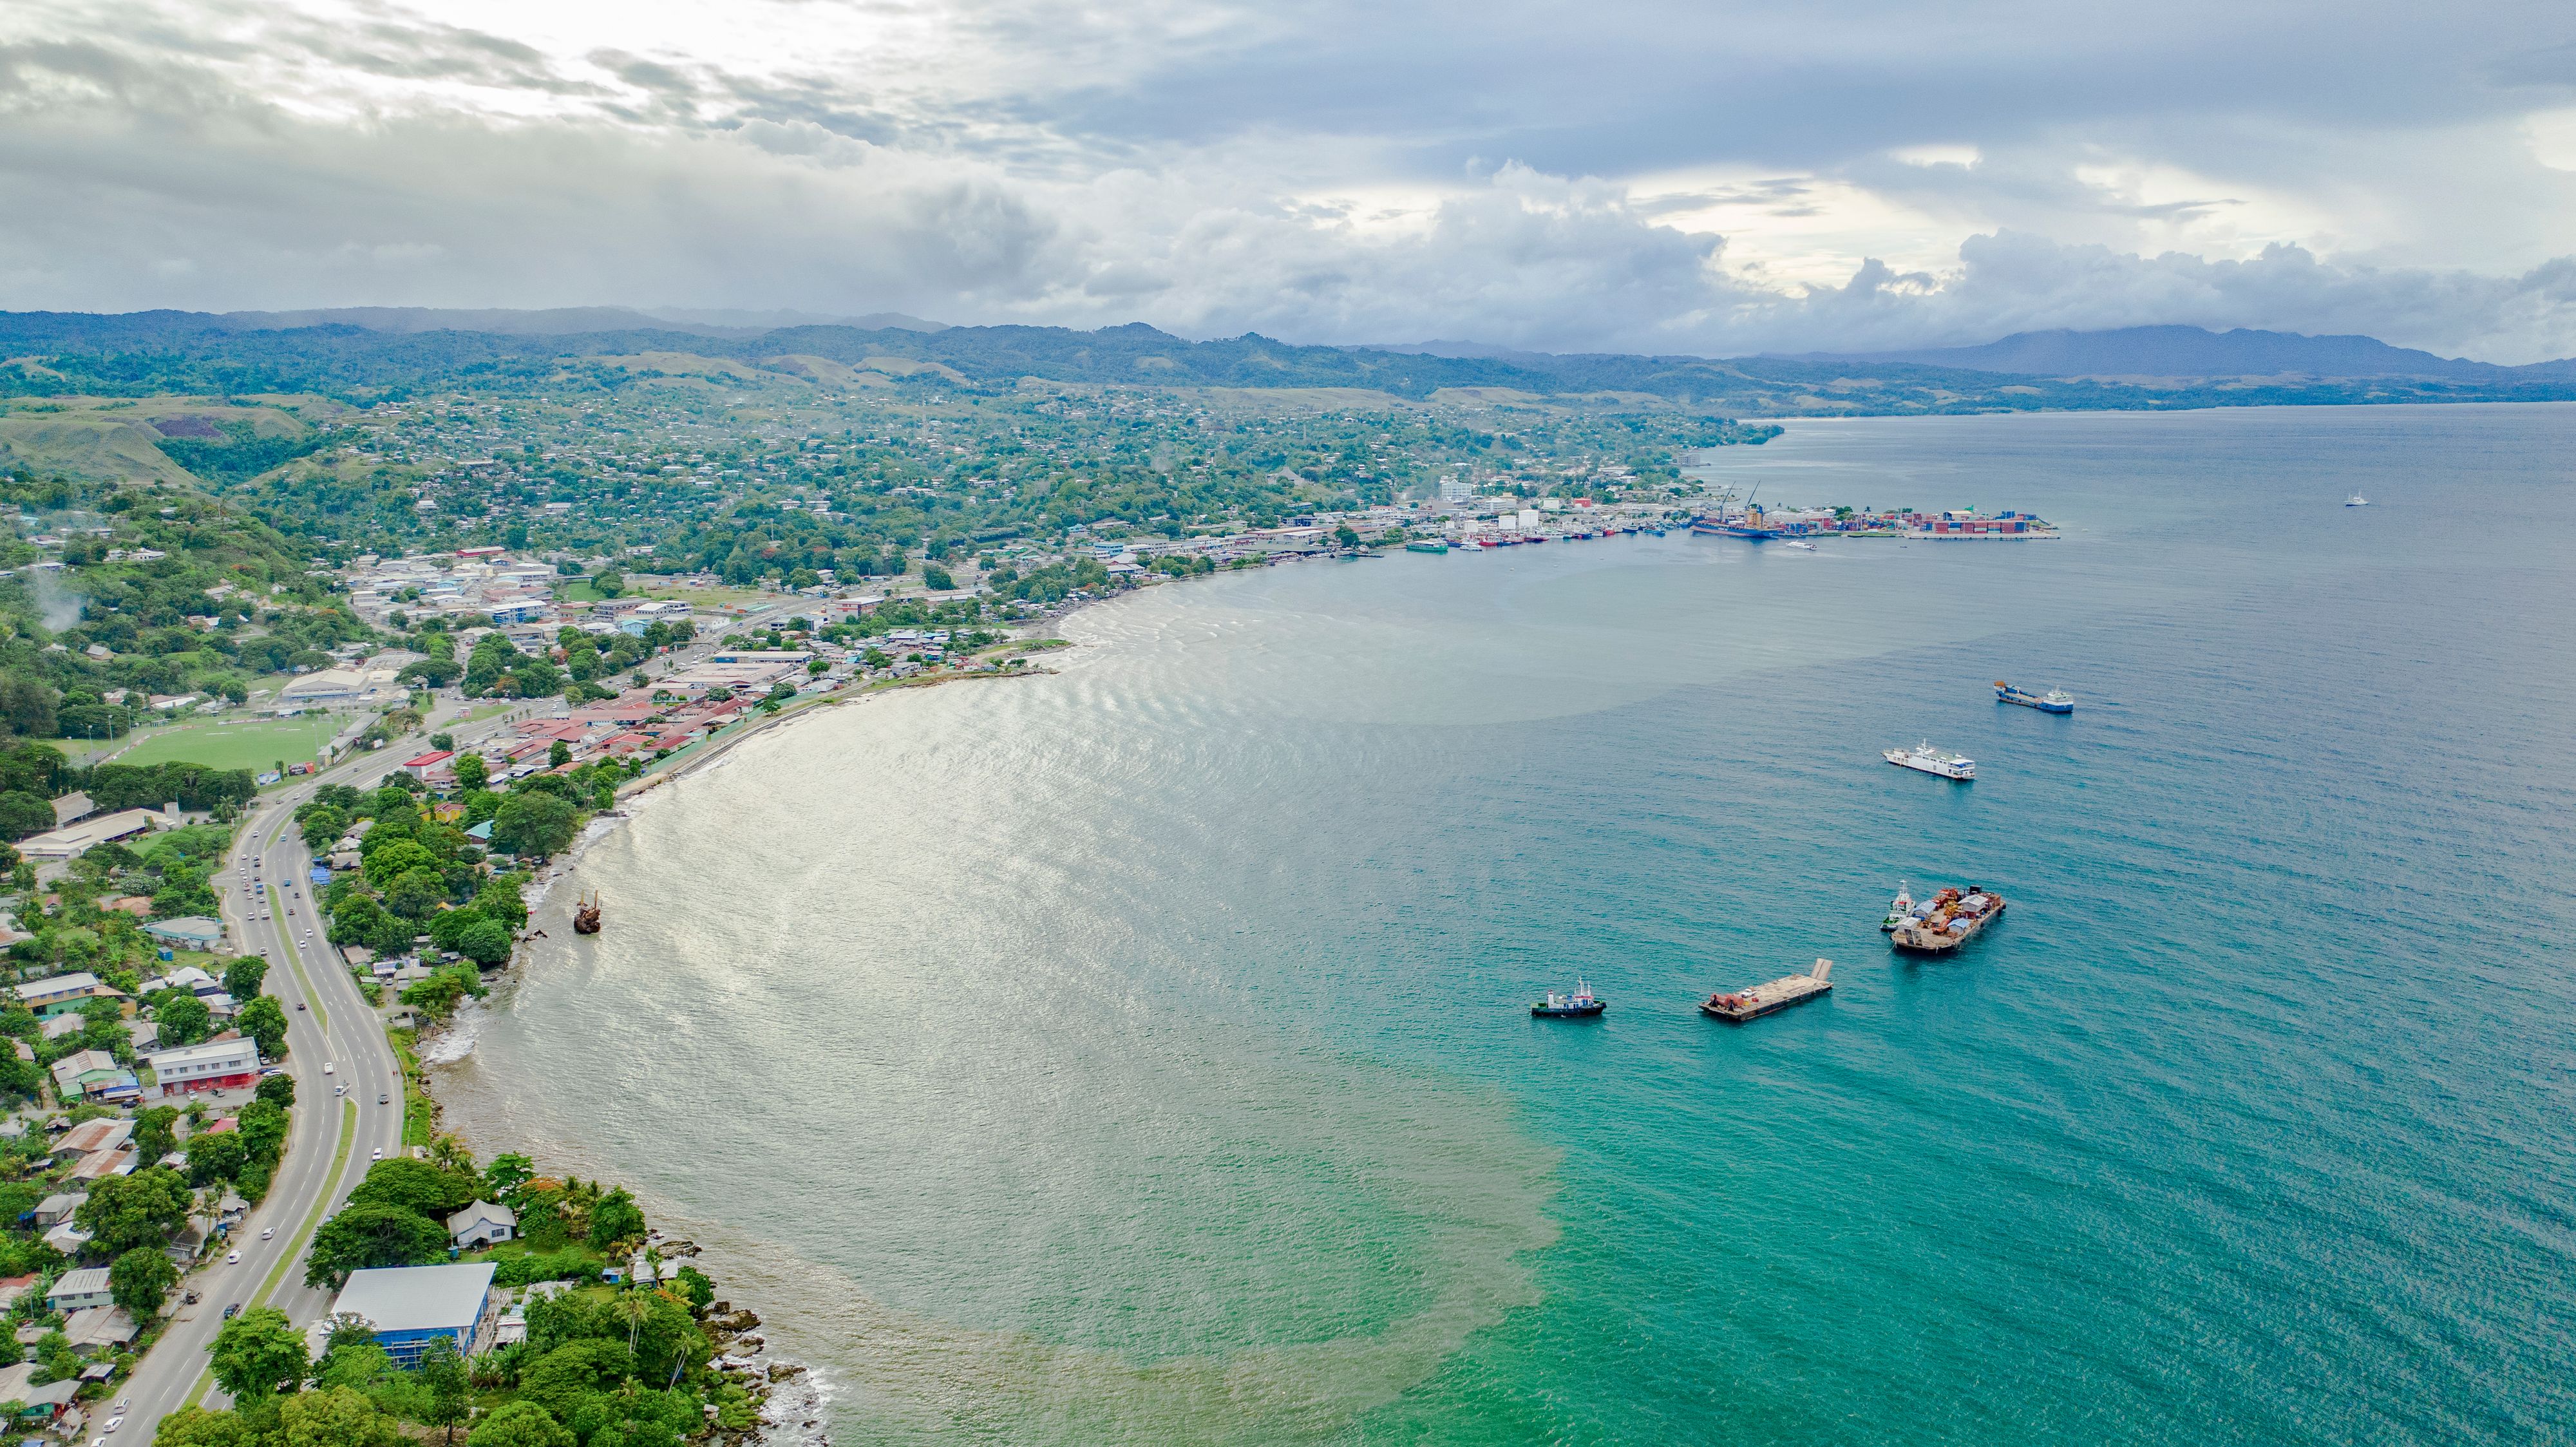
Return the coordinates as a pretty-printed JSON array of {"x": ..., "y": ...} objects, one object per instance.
[
  {"x": 127, "y": 1212},
  {"x": 936, "y": 578},
  {"x": 442, "y": 1371},
  {"x": 416, "y": 893},
  {"x": 140, "y": 1278},
  {"x": 244, "y": 976},
  {"x": 336, "y": 1417},
  {"x": 362, "y": 1237},
  {"x": 610, "y": 583},
  {"x": 506, "y": 1174},
  {"x": 155, "y": 1132},
  {"x": 557, "y": 755},
  {"x": 199, "y": 1427},
  {"x": 183, "y": 1019},
  {"x": 472, "y": 772},
  {"x": 420, "y": 1187},
  {"x": 616, "y": 1218},
  {"x": 517, "y": 1424},
  {"x": 277, "y": 1090},
  {"x": 213, "y": 1158},
  {"x": 396, "y": 859},
  {"x": 264, "y": 1021},
  {"x": 24, "y": 814},
  {"x": 485, "y": 942},
  {"x": 257, "y": 1352},
  {"x": 533, "y": 823}
]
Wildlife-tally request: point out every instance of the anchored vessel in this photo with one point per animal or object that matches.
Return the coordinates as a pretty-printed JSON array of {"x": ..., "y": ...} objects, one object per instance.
[
  {"x": 2356, "y": 500},
  {"x": 1897, "y": 910},
  {"x": 1929, "y": 760},
  {"x": 1426, "y": 545},
  {"x": 2056, "y": 700},
  {"x": 1738, "y": 1006},
  {"x": 1947, "y": 920},
  {"x": 585, "y": 915},
  {"x": 1567, "y": 1007}
]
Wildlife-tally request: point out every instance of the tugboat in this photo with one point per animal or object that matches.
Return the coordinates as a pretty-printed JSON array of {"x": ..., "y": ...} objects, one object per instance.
[
  {"x": 1898, "y": 910},
  {"x": 1578, "y": 1005},
  {"x": 2056, "y": 700},
  {"x": 585, "y": 915}
]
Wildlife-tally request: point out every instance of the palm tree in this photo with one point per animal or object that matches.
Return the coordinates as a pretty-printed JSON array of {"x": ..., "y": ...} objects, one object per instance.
[{"x": 632, "y": 1309}]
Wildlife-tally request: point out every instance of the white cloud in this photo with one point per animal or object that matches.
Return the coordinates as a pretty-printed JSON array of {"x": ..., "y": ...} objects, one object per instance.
[{"x": 1633, "y": 176}]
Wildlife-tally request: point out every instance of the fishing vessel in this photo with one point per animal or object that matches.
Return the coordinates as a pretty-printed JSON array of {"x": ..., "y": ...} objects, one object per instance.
[
  {"x": 1752, "y": 1003},
  {"x": 1947, "y": 920},
  {"x": 2356, "y": 500},
  {"x": 2056, "y": 700},
  {"x": 1927, "y": 759},
  {"x": 1582, "y": 1002},
  {"x": 1897, "y": 911}
]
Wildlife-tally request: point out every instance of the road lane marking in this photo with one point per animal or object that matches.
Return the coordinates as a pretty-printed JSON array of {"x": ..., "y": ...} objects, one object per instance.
[{"x": 303, "y": 1234}]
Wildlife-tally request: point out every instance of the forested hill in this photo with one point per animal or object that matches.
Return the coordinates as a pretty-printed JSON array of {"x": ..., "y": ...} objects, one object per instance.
[{"x": 149, "y": 353}]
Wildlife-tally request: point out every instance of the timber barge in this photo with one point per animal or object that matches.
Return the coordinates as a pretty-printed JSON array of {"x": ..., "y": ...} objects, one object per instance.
[{"x": 1738, "y": 1006}]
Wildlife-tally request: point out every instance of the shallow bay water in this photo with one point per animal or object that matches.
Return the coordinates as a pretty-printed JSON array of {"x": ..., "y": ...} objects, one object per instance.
[{"x": 1139, "y": 1054}]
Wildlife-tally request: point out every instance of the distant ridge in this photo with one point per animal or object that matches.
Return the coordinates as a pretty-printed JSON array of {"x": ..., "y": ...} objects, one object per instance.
[
  {"x": 2179, "y": 351},
  {"x": 562, "y": 321}
]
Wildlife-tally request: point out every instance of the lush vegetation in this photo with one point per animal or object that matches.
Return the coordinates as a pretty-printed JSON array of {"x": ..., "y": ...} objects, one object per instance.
[{"x": 624, "y": 1364}]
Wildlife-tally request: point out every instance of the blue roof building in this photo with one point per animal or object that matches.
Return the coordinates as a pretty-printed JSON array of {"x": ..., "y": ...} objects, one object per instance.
[{"x": 408, "y": 1305}]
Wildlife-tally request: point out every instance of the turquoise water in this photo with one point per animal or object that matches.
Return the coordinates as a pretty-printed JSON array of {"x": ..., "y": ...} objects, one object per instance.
[{"x": 1138, "y": 1054}]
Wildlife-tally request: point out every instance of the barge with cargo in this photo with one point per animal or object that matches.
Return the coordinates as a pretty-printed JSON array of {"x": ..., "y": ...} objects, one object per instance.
[
  {"x": 1947, "y": 920},
  {"x": 1752, "y": 1003}
]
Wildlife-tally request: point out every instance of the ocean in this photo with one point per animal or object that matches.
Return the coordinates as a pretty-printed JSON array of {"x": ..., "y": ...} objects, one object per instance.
[{"x": 1140, "y": 1054}]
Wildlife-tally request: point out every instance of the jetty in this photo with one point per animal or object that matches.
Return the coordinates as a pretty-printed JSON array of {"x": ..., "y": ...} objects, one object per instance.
[{"x": 1738, "y": 1006}]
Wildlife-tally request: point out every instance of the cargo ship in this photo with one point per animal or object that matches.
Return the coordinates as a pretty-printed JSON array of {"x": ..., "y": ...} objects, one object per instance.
[
  {"x": 1924, "y": 758},
  {"x": 2056, "y": 700},
  {"x": 1737, "y": 1006},
  {"x": 1426, "y": 545},
  {"x": 1947, "y": 920}
]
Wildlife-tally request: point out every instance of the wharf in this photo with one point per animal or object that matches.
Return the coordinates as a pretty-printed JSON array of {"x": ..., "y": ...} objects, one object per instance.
[{"x": 1738, "y": 1006}]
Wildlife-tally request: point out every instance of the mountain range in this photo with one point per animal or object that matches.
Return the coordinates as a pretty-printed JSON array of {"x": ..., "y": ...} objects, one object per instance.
[{"x": 369, "y": 353}]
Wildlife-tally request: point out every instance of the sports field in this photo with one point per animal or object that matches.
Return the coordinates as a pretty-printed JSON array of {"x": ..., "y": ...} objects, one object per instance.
[{"x": 257, "y": 746}]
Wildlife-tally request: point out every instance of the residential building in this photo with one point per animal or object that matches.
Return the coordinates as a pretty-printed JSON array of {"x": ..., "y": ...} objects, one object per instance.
[
  {"x": 99, "y": 1328},
  {"x": 408, "y": 1305},
  {"x": 481, "y": 1224},
  {"x": 188, "y": 932},
  {"x": 64, "y": 994},
  {"x": 84, "y": 1287},
  {"x": 215, "y": 1065},
  {"x": 92, "y": 1136},
  {"x": 428, "y": 763},
  {"x": 54, "y": 1210},
  {"x": 87, "y": 1074}
]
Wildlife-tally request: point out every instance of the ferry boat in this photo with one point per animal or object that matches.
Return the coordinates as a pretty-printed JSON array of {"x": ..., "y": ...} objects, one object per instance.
[
  {"x": 1426, "y": 545},
  {"x": 1927, "y": 759},
  {"x": 1578, "y": 1005},
  {"x": 1802, "y": 547},
  {"x": 2056, "y": 700},
  {"x": 1947, "y": 920},
  {"x": 1902, "y": 906},
  {"x": 2356, "y": 500}
]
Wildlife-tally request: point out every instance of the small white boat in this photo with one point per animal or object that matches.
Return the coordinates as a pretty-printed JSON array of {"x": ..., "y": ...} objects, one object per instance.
[
  {"x": 1801, "y": 547},
  {"x": 1923, "y": 758},
  {"x": 2356, "y": 500}
]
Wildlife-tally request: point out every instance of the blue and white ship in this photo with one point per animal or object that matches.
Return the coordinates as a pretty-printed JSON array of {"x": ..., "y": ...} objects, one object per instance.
[{"x": 2056, "y": 700}]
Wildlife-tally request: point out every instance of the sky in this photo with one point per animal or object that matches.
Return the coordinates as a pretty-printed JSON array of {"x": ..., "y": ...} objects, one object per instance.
[{"x": 1714, "y": 178}]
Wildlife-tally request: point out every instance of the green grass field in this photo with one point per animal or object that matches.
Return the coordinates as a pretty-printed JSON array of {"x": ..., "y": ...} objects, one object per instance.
[{"x": 254, "y": 746}]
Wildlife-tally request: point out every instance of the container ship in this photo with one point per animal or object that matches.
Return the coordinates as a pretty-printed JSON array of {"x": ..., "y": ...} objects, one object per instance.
[
  {"x": 1947, "y": 920},
  {"x": 1754, "y": 1002},
  {"x": 1926, "y": 759},
  {"x": 2056, "y": 700}
]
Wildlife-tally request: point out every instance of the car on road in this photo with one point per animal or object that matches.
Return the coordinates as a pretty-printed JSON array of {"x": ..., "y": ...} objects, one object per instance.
[
  {"x": 377, "y": 1154},
  {"x": 232, "y": 1311},
  {"x": 267, "y": 1232},
  {"x": 382, "y": 1098},
  {"x": 299, "y": 1004},
  {"x": 330, "y": 1067},
  {"x": 232, "y": 1258},
  {"x": 112, "y": 1424},
  {"x": 339, "y": 1090}
]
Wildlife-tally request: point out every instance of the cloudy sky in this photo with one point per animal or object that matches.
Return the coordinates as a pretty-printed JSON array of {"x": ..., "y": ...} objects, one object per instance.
[{"x": 1714, "y": 177}]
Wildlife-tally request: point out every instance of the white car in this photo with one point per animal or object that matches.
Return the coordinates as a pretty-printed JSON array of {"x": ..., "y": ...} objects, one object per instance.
[
  {"x": 329, "y": 1068},
  {"x": 112, "y": 1424},
  {"x": 377, "y": 1154},
  {"x": 232, "y": 1258},
  {"x": 267, "y": 1233}
]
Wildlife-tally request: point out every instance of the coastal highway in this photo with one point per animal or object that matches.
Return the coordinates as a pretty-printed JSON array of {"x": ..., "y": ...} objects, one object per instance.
[{"x": 334, "y": 1136}]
